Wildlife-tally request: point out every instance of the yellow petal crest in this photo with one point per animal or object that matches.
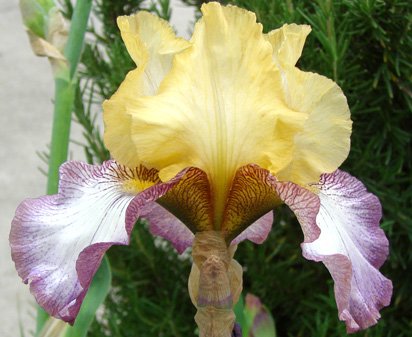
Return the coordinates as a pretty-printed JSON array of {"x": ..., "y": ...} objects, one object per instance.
[
  {"x": 287, "y": 43},
  {"x": 138, "y": 179},
  {"x": 216, "y": 109}
]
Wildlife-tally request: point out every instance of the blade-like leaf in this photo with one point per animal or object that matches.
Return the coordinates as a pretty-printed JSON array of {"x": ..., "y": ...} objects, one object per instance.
[{"x": 239, "y": 309}]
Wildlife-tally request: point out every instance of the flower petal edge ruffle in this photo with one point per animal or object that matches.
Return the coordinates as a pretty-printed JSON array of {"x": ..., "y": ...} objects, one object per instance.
[
  {"x": 341, "y": 229},
  {"x": 58, "y": 241},
  {"x": 352, "y": 246}
]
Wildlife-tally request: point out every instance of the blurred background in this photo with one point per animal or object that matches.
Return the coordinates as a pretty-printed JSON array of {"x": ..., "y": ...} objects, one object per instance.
[
  {"x": 365, "y": 46},
  {"x": 25, "y": 122}
]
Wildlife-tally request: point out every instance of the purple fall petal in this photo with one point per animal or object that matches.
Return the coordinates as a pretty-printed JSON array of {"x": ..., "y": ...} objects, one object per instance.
[
  {"x": 352, "y": 246},
  {"x": 58, "y": 241},
  {"x": 165, "y": 224},
  {"x": 267, "y": 192},
  {"x": 302, "y": 202},
  {"x": 256, "y": 232}
]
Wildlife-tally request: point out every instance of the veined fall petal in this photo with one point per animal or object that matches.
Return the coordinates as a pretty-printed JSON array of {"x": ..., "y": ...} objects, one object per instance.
[
  {"x": 341, "y": 229},
  {"x": 58, "y": 241},
  {"x": 351, "y": 245}
]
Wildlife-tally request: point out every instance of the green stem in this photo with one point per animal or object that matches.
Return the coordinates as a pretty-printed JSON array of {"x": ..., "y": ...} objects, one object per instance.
[
  {"x": 63, "y": 104},
  {"x": 65, "y": 84},
  {"x": 78, "y": 27},
  {"x": 65, "y": 93}
]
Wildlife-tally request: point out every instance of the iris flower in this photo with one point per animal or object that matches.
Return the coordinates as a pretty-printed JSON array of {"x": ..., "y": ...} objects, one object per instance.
[{"x": 207, "y": 137}]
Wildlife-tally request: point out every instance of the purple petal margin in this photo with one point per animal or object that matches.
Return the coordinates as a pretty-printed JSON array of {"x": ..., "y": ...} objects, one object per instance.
[
  {"x": 164, "y": 224},
  {"x": 57, "y": 242},
  {"x": 258, "y": 231},
  {"x": 352, "y": 246}
]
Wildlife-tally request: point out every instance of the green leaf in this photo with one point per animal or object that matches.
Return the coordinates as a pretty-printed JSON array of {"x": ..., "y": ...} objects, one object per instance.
[
  {"x": 95, "y": 296},
  {"x": 54, "y": 328},
  {"x": 238, "y": 309}
]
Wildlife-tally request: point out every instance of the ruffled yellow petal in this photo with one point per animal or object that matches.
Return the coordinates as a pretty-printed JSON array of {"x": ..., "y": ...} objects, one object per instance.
[
  {"x": 152, "y": 44},
  {"x": 231, "y": 99},
  {"x": 323, "y": 143},
  {"x": 117, "y": 135},
  {"x": 217, "y": 109},
  {"x": 287, "y": 43}
]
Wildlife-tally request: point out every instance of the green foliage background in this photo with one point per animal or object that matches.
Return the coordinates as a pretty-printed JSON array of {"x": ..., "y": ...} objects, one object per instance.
[{"x": 366, "y": 47}]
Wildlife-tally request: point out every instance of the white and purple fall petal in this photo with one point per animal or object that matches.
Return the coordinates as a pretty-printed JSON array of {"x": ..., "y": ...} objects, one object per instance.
[
  {"x": 58, "y": 241},
  {"x": 258, "y": 231},
  {"x": 352, "y": 246}
]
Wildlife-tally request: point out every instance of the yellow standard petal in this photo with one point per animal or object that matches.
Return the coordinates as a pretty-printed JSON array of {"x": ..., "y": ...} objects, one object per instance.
[
  {"x": 216, "y": 110},
  {"x": 323, "y": 143},
  {"x": 233, "y": 98},
  {"x": 287, "y": 43},
  {"x": 152, "y": 45}
]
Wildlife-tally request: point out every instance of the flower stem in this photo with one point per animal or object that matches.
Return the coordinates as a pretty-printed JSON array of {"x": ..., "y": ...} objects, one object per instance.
[
  {"x": 63, "y": 104},
  {"x": 65, "y": 86},
  {"x": 78, "y": 27}
]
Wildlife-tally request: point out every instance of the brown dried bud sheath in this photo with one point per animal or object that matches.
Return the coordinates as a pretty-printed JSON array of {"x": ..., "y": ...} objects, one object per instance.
[{"x": 215, "y": 284}]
